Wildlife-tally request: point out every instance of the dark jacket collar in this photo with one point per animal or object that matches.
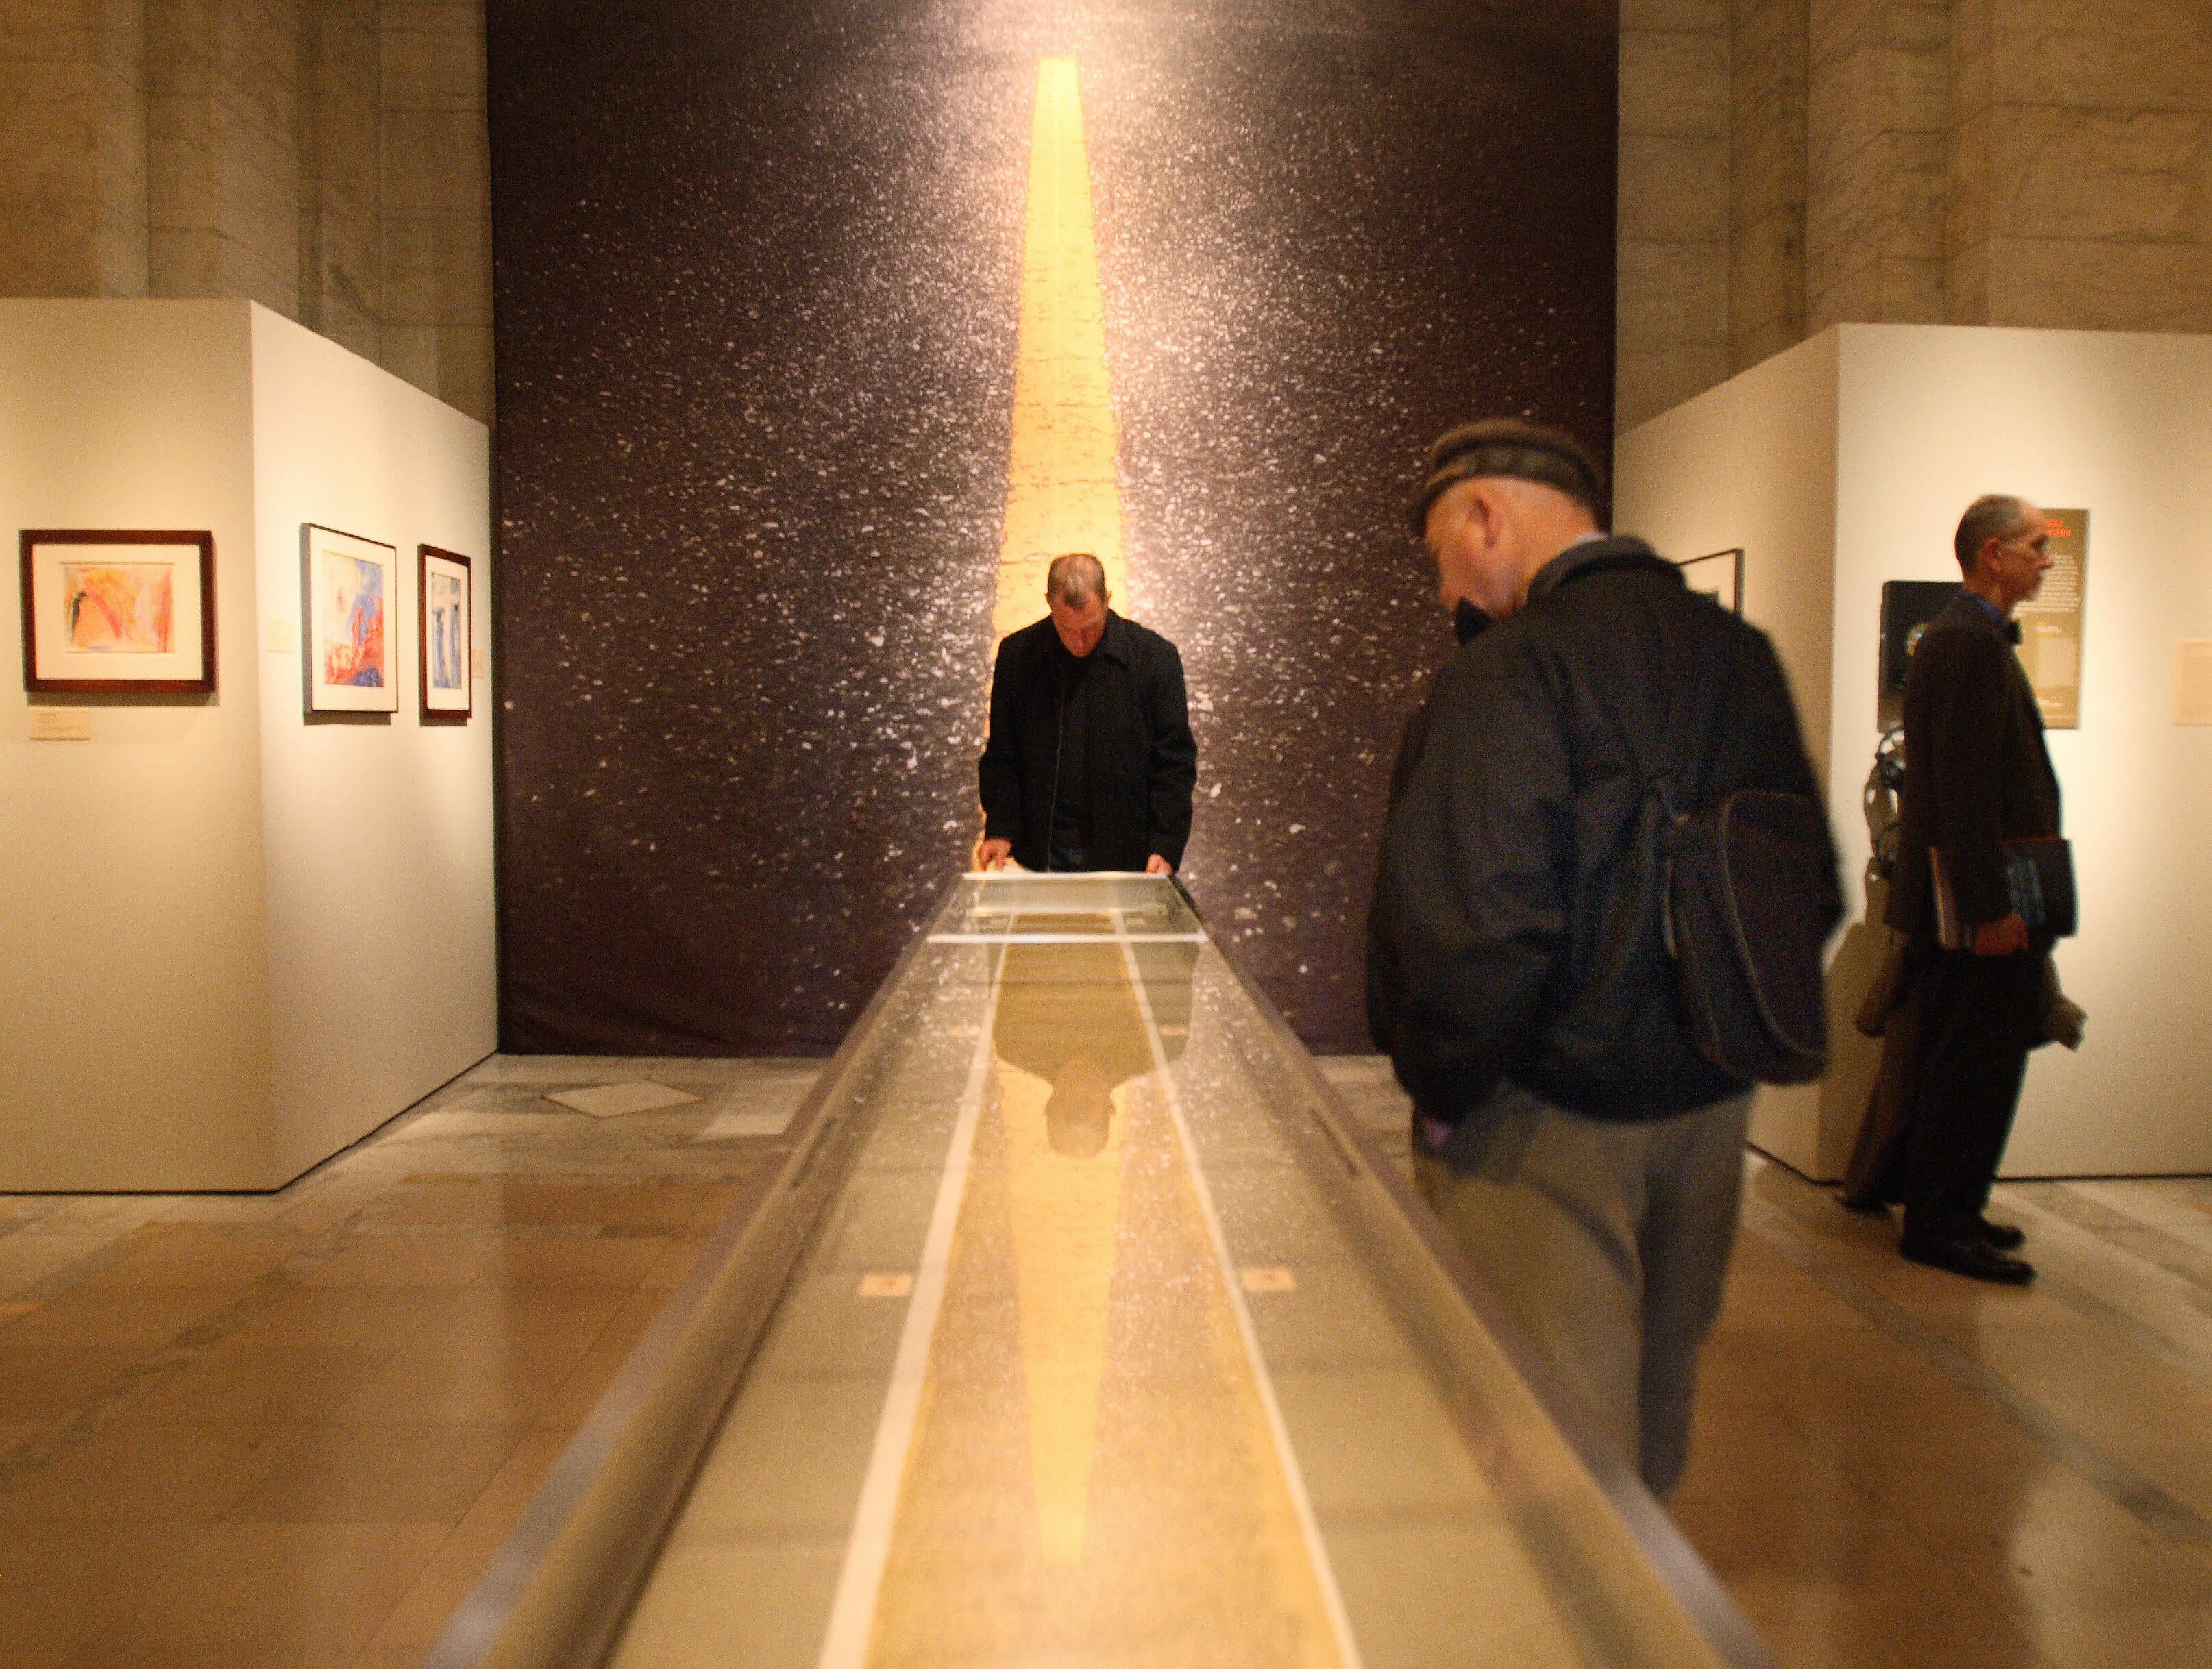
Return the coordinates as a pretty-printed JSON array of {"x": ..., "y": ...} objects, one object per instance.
[
  {"x": 1972, "y": 606},
  {"x": 1615, "y": 550},
  {"x": 1113, "y": 642}
]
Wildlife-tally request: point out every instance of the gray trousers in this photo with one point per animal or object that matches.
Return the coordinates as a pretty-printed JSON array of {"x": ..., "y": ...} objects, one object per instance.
[{"x": 1608, "y": 1242}]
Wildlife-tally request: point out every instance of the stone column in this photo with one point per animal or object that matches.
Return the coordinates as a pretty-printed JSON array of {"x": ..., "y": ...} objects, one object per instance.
[
  {"x": 72, "y": 148},
  {"x": 1674, "y": 217},
  {"x": 437, "y": 201},
  {"x": 1766, "y": 179},
  {"x": 1876, "y": 132},
  {"x": 2080, "y": 163},
  {"x": 341, "y": 188},
  {"x": 222, "y": 149}
]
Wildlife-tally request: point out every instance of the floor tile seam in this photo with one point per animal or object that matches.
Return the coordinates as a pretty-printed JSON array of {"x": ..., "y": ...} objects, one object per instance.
[
  {"x": 691, "y": 1174},
  {"x": 2126, "y": 1185},
  {"x": 123, "y": 1640},
  {"x": 1898, "y": 1625},
  {"x": 2063, "y": 1200},
  {"x": 551, "y": 1231},
  {"x": 2172, "y": 1519},
  {"x": 706, "y": 1536},
  {"x": 2189, "y": 1265},
  {"x": 45, "y": 1210},
  {"x": 430, "y": 1569},
  {"x": 1365, "y": 1517},
  {"x": 2193, "y": 1287},
  {"x": 97, "y": 1261},
  {"x": 2195, "y": 1363},
  {"x": 676, "y": 1149},
  {"x": 1987, "y": 1570},
  {"x": 2074, "y": 1296},
  {"x": 2144, "y": 1335},
  {"x": 143, "y": 1378},
  {"x": 235, "y": 1514}
]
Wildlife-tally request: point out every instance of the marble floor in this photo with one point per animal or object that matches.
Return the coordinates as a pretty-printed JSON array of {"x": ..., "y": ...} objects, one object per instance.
[{"x": 291, "y": 1428}]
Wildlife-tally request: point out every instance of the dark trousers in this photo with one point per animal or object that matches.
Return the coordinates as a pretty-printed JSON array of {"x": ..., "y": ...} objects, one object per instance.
[{"x": 1979, "y": 1021}]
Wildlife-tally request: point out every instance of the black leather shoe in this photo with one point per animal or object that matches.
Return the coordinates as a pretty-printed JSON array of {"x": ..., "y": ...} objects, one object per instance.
[
  {"x": 1862, "y": 1205},
  {"x": 2001, "y": 1235},
  {"x": 1975, "y": 1258}
]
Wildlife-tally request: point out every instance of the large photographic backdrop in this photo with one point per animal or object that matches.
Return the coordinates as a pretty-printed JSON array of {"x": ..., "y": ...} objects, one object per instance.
[{"x": 761, "y": 296}]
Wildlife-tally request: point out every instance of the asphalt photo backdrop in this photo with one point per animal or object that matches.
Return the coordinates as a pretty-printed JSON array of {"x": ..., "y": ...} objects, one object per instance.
[{"x": 757, "y": 276}]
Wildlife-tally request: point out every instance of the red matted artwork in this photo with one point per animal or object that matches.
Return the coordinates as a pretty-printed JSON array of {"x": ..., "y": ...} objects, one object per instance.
[{"x": 119, "y": 611}]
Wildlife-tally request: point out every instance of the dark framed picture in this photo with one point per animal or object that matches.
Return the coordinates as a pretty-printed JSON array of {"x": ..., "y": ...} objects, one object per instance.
[
  {"x": 1719, "y": 576},
  {"x": 1908, "y": 606},
  {"x": 119, "y": 611},
  {"x": 350, "y": 589},
  {"x": 447, "y": 608}
]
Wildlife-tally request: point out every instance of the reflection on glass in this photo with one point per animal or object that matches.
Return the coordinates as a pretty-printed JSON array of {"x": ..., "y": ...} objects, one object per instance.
[
  {"x": 1068, "y": 1015},
  {"x": 1177, "y": 1386}
]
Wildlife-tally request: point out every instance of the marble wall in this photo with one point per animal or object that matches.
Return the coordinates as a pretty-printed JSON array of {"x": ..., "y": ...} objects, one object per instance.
[
  {"x": 326, "y": 158},
  {"x": 1673, "y": 322},
  {"x": 341, "y": 192},
  {"x": 1785, "y": 165},
  {"x": 2032, "y": 162},
  {"x": 1769, "y": 43},
  {"x": 437, "y": 199},
  {"x": 2080, "y": 155},
  {"x": 72, "y": 148},
  {"x": 1877, "y": 73}
]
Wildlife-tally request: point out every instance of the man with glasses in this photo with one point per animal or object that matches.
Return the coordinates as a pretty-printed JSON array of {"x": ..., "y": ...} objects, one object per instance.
[{"x": 1976, "y": 775}]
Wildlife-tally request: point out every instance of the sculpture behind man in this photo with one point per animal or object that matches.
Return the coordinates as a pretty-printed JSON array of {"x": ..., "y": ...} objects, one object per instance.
[
  {"x": 1976, "y": 775},
  {"x": 1090, "y": 763},
  {"x": 1567, "y": 1128}
]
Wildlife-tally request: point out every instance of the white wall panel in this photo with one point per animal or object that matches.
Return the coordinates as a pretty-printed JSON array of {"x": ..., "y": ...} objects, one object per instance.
[
  {"x": 1886, "y": 432},
  {"x": 217, "y": 960},
  {"x": 1752, "y": 462},
  {"x": 377, "y": 828}
]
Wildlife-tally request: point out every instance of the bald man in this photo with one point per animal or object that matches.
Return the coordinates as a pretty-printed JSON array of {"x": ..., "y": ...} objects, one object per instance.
[{"x": 1567, "y": 1129}]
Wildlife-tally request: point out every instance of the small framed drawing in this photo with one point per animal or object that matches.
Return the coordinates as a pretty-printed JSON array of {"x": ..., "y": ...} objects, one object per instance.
[
  {"x": 122, "y": 613},
  {"x": 1719, "y": 576},
  {"x": 447, "y": 619},
  {"x": 349, "y": 587}
]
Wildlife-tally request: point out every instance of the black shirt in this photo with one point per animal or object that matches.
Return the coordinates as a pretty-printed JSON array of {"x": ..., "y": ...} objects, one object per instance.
[{"x": 1071, "y": 814}]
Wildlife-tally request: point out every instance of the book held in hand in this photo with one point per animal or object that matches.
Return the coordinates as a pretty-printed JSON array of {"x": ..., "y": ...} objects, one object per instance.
[{"x": 2039, "y": 872}]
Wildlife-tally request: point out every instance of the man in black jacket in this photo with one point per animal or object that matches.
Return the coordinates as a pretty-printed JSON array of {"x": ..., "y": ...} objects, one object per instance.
[
  {"x": 1976, "y": 775},
  {"x": 1090, "y": 763},
  {"x": 1567, "y": 1128}
]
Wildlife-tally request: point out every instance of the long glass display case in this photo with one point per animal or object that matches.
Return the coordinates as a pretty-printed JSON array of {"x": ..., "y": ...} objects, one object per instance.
[{"x": 1075, "y": 1323}]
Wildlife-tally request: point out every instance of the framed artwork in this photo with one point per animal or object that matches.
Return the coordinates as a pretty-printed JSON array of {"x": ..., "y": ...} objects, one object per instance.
[
  {"x": 447, "y": 617},
  {"x": 350, "y": 588},
  {"x": 118, "y": 612},
  {"x": 1719, "y": 576},
  {"x": 1908, "y": 606}
]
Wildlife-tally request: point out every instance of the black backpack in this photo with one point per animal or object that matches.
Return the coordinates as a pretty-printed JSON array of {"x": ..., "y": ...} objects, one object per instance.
[{"x": 1747, "y": 897}]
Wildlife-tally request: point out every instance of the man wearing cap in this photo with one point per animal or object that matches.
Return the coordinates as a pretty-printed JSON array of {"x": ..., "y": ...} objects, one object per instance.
[
  {"x": 1567, "y": 1128},
  {"x": 1090, "y": 763}
]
